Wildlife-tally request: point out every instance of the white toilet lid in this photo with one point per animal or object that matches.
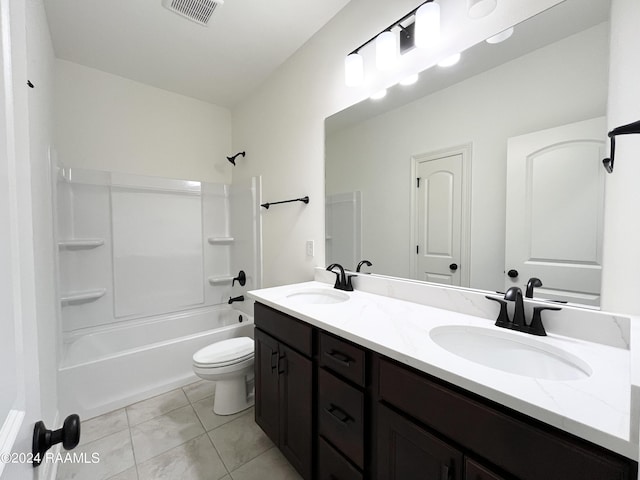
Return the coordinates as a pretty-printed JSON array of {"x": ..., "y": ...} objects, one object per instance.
[{"x": 226, "y": 352}]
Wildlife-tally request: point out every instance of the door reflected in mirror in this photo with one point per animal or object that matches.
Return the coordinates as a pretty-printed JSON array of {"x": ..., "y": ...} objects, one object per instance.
[{"x": 397, "y": 194}]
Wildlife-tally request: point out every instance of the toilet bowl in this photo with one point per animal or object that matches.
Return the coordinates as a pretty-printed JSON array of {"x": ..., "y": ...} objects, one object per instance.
[{"x": 230, "y": 364}]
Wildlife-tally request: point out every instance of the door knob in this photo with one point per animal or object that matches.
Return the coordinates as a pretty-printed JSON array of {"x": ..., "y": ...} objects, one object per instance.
[
  {"x": 453, "y": 266},
  {"x": 44, "y": 439},
  {"x": 512, "y": 273}
]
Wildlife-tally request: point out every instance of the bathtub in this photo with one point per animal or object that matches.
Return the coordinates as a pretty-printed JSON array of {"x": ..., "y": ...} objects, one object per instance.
[{"x": 109, "y": 369}]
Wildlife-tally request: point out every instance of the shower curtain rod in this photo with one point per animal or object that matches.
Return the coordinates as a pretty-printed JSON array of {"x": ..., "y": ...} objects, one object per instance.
[{"x": 303, "y": 200}]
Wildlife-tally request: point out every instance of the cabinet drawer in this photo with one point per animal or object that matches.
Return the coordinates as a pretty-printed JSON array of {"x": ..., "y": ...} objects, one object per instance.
[
  {"x": 289, "y": 330},
  {"x": 343, "y": 358},
  {"x": 341, "y": 416},
  {"x": 475, "y": 471},
  {"x": 527, "y": 450},
  {"x": 333, "y": 466}
]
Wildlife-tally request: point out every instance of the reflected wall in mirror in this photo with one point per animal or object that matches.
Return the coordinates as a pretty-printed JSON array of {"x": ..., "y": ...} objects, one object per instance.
[{"x": 454, "y": 133}]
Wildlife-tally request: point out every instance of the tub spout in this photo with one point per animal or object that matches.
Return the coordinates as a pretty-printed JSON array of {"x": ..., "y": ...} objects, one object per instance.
[{"x": 236, "y": 299}]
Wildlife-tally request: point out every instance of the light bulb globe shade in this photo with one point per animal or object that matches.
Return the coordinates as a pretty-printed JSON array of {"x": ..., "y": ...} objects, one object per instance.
[
  {"x": 410, "y": 80},
  {"x": 481, "y": 8},
  {"x": 500, "y": 37},
  {"x": 379, "y": 94},
  {"x": 450, "y": 61},
  {"x": 427, "y": 26},
  {"x": 386, "y": 50},
  {"x": 354, "y": 70}
]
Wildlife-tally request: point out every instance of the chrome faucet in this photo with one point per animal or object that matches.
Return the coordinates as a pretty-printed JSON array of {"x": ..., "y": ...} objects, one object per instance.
[
  {"x": 533, "y": 282},
  {"x": 363, "y": 262},
  {"x": 343, "y": 282}
]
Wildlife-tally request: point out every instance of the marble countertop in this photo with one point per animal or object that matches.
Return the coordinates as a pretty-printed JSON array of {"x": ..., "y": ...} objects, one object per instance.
[{"x": 597, "y": 408}]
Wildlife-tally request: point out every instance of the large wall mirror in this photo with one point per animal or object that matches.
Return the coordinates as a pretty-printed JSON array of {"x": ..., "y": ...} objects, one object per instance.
[{"x": 483, "y": 174}]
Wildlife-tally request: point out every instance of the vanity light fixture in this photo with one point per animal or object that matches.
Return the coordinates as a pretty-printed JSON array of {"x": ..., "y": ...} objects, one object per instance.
[
  {"x": 500, "y": 37},
  {"x": 427, "y": 25},
  {"x": 622, "y": 130},
  {"x": 354, "y": 70},
  {"x": 410, "y": 80},
  {"x": 480, "y": 8},
  {"x": 379, "y": 95},
  {"x": 426, "y": 28},
  {"x": 386, "y": 50},
  {"x": 450, "y": 61}
]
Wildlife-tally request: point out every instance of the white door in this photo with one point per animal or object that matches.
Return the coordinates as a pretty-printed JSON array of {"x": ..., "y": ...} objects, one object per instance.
[
  {"x": 555, "y": 204},
  {"x": 439, "y": 219},
  {"x": 19, "y": 390}
]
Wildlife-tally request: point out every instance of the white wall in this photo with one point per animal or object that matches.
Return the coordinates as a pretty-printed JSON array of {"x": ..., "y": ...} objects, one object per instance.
[
  {"x": 281, "y": 125},
  {"x": 621, "y": 255},
  {"x": 537, "y": 91},
  {"x": 106, "y": 122}
]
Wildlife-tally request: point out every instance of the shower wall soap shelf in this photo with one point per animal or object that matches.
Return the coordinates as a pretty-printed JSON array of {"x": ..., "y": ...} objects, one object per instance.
[
  {"x": 83, "y": 296},
  {"x": 220, "y": 240},
  {"x": 80, "y": 243}
]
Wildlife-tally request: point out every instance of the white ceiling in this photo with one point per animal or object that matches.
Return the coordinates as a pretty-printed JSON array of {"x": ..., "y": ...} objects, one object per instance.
[{"x": 245, "y": 41}]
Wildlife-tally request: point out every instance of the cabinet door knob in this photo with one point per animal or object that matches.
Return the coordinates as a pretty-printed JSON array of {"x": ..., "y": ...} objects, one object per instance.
[
  {"x": 512, "y": 273},
  {"x": 453, "y": 266}
]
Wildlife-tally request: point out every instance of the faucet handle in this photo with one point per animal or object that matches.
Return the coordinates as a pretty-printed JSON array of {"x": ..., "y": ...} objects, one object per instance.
[
  {"x": 536, "y": 327},
  {"x": 503, "y": 316},
  {"x": 349, "y": 286}
]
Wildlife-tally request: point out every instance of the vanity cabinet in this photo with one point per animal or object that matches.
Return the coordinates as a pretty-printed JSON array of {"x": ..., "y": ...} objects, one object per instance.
[
  {"x": 521, "y": 446},
  {"x": 341, "y": 412},
  {"x": 284, "y": 385}
]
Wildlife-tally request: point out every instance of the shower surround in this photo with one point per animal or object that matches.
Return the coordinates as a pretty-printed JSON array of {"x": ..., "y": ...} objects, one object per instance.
[{"x": 145, "y": 271}]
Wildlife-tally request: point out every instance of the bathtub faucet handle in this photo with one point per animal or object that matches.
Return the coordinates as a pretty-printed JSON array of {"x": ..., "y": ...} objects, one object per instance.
[
  {"x": 236, "y": 299},
  {"x": 241, "y": 278}
]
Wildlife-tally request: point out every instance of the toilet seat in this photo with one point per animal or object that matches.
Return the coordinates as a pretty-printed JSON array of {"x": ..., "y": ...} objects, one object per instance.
[{"x": 224, "y": 353}]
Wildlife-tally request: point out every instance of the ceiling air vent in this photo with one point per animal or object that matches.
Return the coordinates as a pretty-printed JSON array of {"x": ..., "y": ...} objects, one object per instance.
[{"x": 199, "y": 11}]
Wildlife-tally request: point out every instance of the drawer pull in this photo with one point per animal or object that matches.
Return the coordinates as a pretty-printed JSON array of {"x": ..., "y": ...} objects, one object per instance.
[
  {"x": 339, "y": 414},
  {"x": 339, "y": 357}
]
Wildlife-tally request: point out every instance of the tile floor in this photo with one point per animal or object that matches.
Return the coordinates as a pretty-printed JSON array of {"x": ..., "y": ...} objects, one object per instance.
[{"x": 177, "y": 436}]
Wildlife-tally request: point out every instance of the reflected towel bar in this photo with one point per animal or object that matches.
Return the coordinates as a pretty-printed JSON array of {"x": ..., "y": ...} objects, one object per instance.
[{"x": 303, "y": 200}]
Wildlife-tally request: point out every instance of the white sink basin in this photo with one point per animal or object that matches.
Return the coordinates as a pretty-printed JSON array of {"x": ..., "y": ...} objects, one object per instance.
[
  {"x": 318, "y": 296},
  {"x": 510, "y": 353}
]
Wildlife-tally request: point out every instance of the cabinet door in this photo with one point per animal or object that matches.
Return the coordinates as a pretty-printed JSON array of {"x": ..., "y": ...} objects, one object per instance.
[
  {"x": 407, "y": 452},
  {"x": 267, "y": 389},
  {"x": 296, "y": 409}
]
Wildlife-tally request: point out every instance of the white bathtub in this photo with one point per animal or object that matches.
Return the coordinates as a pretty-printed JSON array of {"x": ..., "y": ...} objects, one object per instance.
[{"x": 106, "y": 370}]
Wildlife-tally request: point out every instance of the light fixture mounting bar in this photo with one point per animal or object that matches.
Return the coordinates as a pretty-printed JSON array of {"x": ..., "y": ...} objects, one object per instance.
[{"x": 394, "y": 24}]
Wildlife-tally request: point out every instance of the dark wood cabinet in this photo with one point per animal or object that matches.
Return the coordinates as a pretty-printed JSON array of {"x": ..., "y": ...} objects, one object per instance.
[
  {"x": 284, "y": 398},
  {"x": 523, "y": 447},
  {"x": 475, "y": 471},
  {"x": 341, "y": 416},
  {"x": 338, "y": 411},
  {"x": 407, "y": 452},
  {"x": 267, "y": 378},
  {"x": 334, "y": 466}
]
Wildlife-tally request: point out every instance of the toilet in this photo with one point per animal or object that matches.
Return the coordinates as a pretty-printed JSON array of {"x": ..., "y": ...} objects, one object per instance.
[{"x": 230, "y": 364}]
